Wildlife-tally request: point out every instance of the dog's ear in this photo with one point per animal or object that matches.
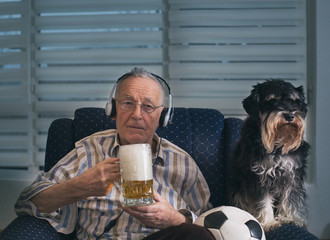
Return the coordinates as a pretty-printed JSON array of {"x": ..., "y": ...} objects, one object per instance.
[
  {"x": 300, "y": 91},
  {"x": 251, "y": 103}
]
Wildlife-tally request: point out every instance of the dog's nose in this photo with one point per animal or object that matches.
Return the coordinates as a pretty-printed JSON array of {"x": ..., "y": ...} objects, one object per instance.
[{"x": 289, "y": 117}]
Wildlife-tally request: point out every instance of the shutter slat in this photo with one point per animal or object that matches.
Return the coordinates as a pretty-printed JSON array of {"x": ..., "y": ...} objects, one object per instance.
[
  {"x": 237, "y": 35},
  {"x": 13, "y": 58},
  {"x": 235, "y": 17},
  {"x": 12, "y": 75},
  {"x": 240, "y": 89},
  {"x": 14, "y": 159},
  {"x": 242, "y": 52},
  {"x": 222, "y": 104},
  {"x": 6, "y": 125},
  {"x": 95, "y": 5},
  {"x": 14, "y": 108},
  {"x": 175, "y": 4},
  {"x": 65, "y": 106},
  {"x": 13, "y": 92},
  {"x": 12, "y": 142},
  {"x": 94, "y": 56},
  {"x": 101, "y": 90},
  {"x": 44, "y": 123},
  {"x": 99, "y": 22},
  {"x": 9, "y": 8},
  {"x": 12, "y": 42},
  {"x": 141, "y": 38},
  {"x": 213, "y": 70},
  {"x": 88, "y": 73}
]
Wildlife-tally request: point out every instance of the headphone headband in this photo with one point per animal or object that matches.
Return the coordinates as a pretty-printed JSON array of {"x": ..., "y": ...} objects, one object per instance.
[{"x": 166, "y": 116}]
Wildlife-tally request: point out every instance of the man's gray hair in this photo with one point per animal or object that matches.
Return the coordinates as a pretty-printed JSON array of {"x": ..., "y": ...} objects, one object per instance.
[{"x": 141, "y": 72}]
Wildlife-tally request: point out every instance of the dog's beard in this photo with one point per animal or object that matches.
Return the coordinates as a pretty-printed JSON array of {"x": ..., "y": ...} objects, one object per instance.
[{"x": 276, "y": 132}]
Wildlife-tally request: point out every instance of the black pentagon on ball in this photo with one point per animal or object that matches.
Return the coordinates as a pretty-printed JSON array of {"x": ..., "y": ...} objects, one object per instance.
[
  {"x": 215, "y": 220},
  {"x": 255, "y": 229}
]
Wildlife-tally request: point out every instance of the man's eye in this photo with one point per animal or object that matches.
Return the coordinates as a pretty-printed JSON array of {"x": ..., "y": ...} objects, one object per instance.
[
  {"x": 128, "y": 104},
  {"x": 148, "y": 107}
]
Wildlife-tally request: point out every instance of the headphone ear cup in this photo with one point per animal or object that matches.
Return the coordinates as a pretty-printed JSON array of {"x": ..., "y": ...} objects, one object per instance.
[
  {"x": 113, "y": 108},
  {"x": 162, "y": 118}
]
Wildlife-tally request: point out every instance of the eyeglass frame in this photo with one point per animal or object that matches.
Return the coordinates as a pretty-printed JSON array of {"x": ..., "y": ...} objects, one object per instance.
[{"x": 135, "y": 103}]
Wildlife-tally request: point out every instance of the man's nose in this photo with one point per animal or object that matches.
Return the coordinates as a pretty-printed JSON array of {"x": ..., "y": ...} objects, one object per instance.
[{"x": 137, "y": 110}]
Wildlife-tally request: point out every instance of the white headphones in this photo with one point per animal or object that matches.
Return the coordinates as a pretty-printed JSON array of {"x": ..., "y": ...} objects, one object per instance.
[{"x": 166, "y": 115}]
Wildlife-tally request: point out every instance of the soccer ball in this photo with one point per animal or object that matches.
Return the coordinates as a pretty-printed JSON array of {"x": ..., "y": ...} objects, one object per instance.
[{"x": 231, "y": 223}]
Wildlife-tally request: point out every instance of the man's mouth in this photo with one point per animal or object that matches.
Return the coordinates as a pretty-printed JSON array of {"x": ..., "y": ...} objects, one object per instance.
[{"x": 136, "y": 127}]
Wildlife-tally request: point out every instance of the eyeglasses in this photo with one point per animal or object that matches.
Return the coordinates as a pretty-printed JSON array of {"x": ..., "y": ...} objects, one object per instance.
[{"x": 130, "y": 106}]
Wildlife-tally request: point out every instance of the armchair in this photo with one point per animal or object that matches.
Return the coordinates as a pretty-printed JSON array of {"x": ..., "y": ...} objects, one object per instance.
[{"x": 204, "y": 133}]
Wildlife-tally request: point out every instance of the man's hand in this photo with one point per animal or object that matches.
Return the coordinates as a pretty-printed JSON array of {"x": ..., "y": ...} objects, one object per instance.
[
  {"x": 96, "y": 181},
  {"x": 158, "y": 215}
]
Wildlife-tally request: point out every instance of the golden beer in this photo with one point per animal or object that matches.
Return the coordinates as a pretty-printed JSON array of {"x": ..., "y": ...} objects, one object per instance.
[
  {"x": 136, "y": 174},
  {"x": 137, "y": 189}
]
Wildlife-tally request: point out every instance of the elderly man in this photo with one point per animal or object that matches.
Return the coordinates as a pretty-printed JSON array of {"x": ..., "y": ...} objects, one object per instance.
[{"x": 75, "y": 193}]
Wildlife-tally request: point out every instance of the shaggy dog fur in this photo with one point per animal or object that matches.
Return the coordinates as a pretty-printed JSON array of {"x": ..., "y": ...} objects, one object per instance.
[{"x": 270, "y": 158}]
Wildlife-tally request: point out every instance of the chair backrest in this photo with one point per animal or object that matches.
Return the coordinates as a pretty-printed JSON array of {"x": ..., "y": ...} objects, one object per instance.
[{"x": 200, "y": 132}]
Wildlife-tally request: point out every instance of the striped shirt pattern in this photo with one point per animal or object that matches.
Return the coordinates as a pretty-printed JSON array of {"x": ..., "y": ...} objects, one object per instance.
[{"x": 176, "y": 177}]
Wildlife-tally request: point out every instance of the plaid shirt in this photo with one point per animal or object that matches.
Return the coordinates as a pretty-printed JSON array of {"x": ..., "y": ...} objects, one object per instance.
[{"x": 176, "y": 177}]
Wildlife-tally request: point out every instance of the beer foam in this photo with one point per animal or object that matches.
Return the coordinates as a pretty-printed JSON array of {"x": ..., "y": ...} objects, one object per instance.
[{"x": 135, "y": 162}]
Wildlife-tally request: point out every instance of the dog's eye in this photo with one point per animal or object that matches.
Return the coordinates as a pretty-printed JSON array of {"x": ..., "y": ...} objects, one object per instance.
[
  {"x": 270, "y": 97},
  {"x": 271, "y": 101},
  {"x": 291, "y": 100}
]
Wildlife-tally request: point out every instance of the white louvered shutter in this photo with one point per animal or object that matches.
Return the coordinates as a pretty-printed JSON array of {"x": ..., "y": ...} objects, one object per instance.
[
  {"x": 59, "y": 55},
  {"x": 16, "y": 149},
  {"x": 219, "y": 49},
  {"x": 81, "y": 50}
]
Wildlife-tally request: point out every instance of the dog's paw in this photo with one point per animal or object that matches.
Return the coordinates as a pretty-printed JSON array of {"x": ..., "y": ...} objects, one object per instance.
[{"x": 294, "y": 220}]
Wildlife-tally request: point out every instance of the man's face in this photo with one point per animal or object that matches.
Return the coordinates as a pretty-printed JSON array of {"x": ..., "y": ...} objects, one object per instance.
[{"x": 137, "y": 126}]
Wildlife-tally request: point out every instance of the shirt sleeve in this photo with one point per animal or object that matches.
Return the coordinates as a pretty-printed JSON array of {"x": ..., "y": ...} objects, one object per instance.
[
  {"x": 189, "y": 215},
  {"x": 198, "y": 193},
  {"x": 180, "y": 181},
  {"x": 63, "y": 219}
]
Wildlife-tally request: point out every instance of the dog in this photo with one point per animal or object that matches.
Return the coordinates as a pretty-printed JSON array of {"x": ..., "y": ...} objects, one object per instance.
[{"x": 270, "y": 157}]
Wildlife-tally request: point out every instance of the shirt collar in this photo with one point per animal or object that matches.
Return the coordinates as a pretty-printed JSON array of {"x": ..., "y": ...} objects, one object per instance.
[
  {"x": 115, "y": 149},
  {"x": 156, "y": 157}
]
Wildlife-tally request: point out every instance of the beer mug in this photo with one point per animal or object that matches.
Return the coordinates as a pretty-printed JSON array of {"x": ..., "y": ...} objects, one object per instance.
[{"x": 136, "y": 174}]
